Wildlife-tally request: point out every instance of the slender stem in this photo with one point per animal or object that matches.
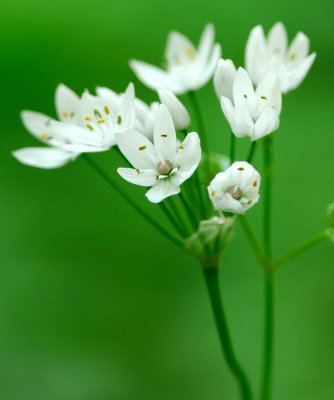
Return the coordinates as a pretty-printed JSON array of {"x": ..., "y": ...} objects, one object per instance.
[
  {"x": 200, "y": 121},
  {"x": 131, "y": 202},
  {"x": 267, "y": 365},
  {"x": 177, "y": 226},
  {"x": 314, "y": 240},
  {"x": 189, "y": 211},
  {"x": 251, "y": 152},
  {"x": 253, "y": 241},
  {"x": 232, "y": 148},
  {"x": 212, "y": 284}
]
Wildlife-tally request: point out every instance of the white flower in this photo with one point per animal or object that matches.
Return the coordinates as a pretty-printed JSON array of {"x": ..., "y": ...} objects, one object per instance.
[
  {"x": 145, "y": 114},
  {"x": 253, "y": 113},
  {"x": 86, "y": 124},
  {"x": 223, "y": 78},
  {"x": 178, "y": 111},
  {"x": 50, "y": 132},
  {"x": 291, "y": 63},
  {"x": 187, "y": 68},
  {"x": 236, "y": 189},
  {"x": 163, "y": 165}
]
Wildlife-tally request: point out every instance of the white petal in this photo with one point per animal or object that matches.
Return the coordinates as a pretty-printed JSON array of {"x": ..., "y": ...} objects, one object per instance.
[
  {"x": 243, "y": 123},
  {"x": 223, "y": 78},
  {"x": 228, "y": 110},
  {"x": 66, "y": 103},
  {"x": 36, "y": 123},
  {"x": 43, "y": 157},
  {"x": 179, "y": 50},
  {"x": 146, "y": 177},
  {"x": 299, "y": 49},
  {"x": 137, "y": 149},
  {"x": 268, "y": 93},
  {"x": 178, "y": 111},
  {"x": 266, "y": 124},
  {"x": 277, "y": 40},
  {"x": 188, "y": 157},
  {"x": 126, "y": 112},
  {"x": 300, "y": 73},
  {"x": 160, "y": 191},
  {"x": 164, "y": 134},
  {"x": 206, "y": 42},
  {"x": 155, "y": 78},
  {"x": 255, "y": 53},
  {"x": 113, "y": 99},
  {"x": 209, "y": 69},
  {"x": 243, "y": 91}
]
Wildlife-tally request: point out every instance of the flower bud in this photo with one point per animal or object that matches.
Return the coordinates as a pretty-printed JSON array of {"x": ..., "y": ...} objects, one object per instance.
[{"x": 178, "y": 111}]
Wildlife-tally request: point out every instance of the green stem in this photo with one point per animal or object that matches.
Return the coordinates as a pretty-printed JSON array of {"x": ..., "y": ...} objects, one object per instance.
[
  {"x": 253, "y": 241},
  {"x": 189, "y": 211},
  {"x": 314, "y": 240},
  {"x": 267, "y": 365},
  {"x": 131, "y": 202},
  {"x": 212, "y": 284},
  {"x": 200, "y": 121},
  {"x": 177, "y": 226},
  {"x": 251, "y": 152},
  {"x": 232, "y": 148}
]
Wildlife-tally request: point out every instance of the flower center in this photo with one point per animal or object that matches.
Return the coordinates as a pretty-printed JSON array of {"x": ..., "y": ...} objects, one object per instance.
[
  {"x": 235, "y": 192},
  {"x": 165, "y": 167}
]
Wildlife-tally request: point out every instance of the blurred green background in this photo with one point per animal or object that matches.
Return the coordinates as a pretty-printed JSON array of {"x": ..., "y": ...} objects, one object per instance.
[{"x": 94, "y": 304}]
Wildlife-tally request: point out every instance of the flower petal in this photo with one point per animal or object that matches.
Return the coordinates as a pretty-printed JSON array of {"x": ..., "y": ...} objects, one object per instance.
[
  {"x": 43, "y": 157},
  {"x": 206, "y": 42},
  {"x": 255, "y": 53},
  {"x": 146, "y": 177},
  {"x": 163, "y": 189},
  {"x": 299, "y": 49},
  {"x": 267, "y": 123},
  {"x": 179, "y": 50},
  {"x": 66, "y": 103},
  {"x": 155, "y": 78},
  {"x": 137, "y": 149},
  {"x": 243, "y": 91},
  {"x": 178, "y": 111},
  {"x": 300, "y": 73},
  {"x": 268, "y": 93},
  {"x": 277, "y": 40},
  {"x": 223, "y": 78},
  {"x": 164, "y": 134},
  {"x": 209, "y": 68},
  {"x": 189, "y": 154}
]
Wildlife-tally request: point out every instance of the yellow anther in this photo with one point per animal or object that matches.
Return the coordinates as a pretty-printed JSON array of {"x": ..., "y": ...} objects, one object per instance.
[
  {"x": 181, "y": 147},
  {"x": 100, "y": 120},
  {"x": 264, "y": 98},
  {"x": 163, "y": 135},
  {"x": 293, "y": 56},
  {"x": 213, "y": 193},
  {"x": 190, "y": 53},
  {"x": 88, "y": 118},
  {"x": 44, "y": 136},
  {"x": 138, "y": 171},
  {"x": 254, "y": 183},
  {"x": 65, "y": 114},
  {"x": 245, "y": 96},
  {"x": 141, "y": 148},
  {"x": 106, "y": 110},
  {"x": 249, "y": 202},
  {"x": 90, "y": 127},
  {"x": 241, "y": 169}
]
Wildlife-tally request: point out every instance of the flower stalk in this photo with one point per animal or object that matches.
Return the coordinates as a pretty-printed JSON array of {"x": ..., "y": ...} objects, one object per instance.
[{"x": 212, "y": 284}]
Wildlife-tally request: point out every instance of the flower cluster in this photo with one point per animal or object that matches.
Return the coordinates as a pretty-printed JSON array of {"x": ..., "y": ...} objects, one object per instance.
[{"x": 154, "y": 138}]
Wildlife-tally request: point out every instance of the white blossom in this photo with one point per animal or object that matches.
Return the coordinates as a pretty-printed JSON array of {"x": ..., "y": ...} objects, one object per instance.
[
  {"x": 253, "y": 113},
  {"x": 187, "y": 68},
  {"x": 236, "y": 189},
  {"x": 162, "y": 165},
  {"x": 272, "y": 53}
]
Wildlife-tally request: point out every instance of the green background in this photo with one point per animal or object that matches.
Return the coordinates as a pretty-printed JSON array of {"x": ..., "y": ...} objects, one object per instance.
[{"x": 94, "y": 304}]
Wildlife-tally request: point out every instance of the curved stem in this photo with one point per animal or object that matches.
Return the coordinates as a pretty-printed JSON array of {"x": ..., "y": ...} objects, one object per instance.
[
  {"x": 232, "y": 148},
  {"x": 253, "y": 241},
  {"x": 314, "y": 240},
  {"x": 251, "y": 152},
  {"x": 267, "y": 365},
  {"x": 212, "y": 284},
  {"x": 131, "y": 202}
]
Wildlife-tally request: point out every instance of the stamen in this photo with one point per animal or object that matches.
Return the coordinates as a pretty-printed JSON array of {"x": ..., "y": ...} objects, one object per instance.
[
  {"x": 249, "y": 202},
  {"x": 90, "y": 127},
  {"x": 97, "y": 114},
  {"x": 100, "y": 120},
  {"x": 213, "y": 193},
  {"x": 293, "y": 56},
  {"x": 241, "y": 169},
  {"x": 245, "y": 96},
  {"x": 254, "y": 183},
  {"x": 264, "y": 98},
  {"x": 88, "y": 118},
  {"x": 106, "y": 110},
  {"x": 137, "y": 170},
  {"x": 164, "y": 135},
  {"x": 72, "y": 114},
  {"x": 181, "y": 147},
  {"x": 65, "y": 114},
  {"x": 141, "y": 148},
  {"x": 119, "y": 120},
  {"x": 190, "y": 53},
  {"x": 44, "y": 136}
]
